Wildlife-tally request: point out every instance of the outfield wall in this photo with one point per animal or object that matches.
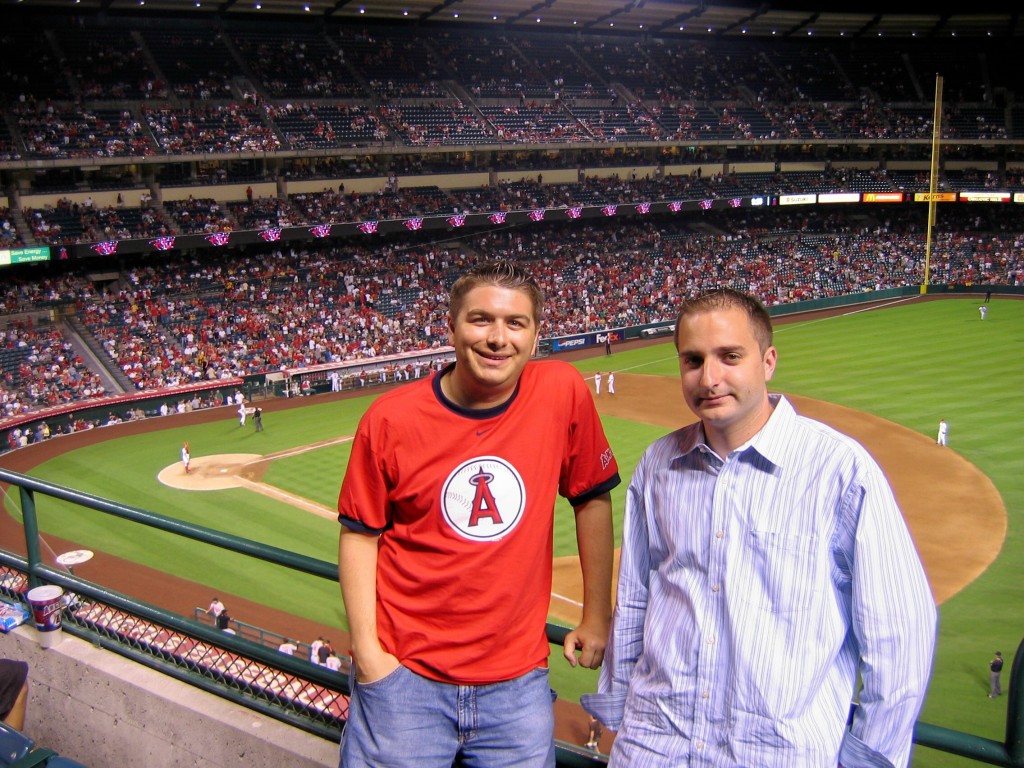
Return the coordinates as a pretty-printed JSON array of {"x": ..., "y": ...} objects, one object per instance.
[{"x": 103, "y": 709}]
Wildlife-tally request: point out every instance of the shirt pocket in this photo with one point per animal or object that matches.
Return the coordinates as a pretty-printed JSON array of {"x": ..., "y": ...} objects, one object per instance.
[
  {"x": 777, "y": 571},
  {"x": 649, "y": 714}
]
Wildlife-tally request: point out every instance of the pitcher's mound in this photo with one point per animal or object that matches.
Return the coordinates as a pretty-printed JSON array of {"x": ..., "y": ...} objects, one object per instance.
[{"x": 208, "y": 473}]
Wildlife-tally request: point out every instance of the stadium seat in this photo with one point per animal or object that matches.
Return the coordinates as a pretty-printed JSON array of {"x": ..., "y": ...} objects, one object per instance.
[
  {"x": 14, "y": 745},
  {"x": 19, "y": 751}
]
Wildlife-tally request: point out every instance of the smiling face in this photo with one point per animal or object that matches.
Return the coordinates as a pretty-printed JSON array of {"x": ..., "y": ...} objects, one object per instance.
[
  {"x": 725, "y": 373},
  {"x": 494, "y": 333}
]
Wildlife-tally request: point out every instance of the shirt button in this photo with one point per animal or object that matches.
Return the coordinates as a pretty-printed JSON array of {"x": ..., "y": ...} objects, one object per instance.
[
  {"x": 705, "y": 695},
  {"x": 700, "y": 745},
  {"x": 719, "y": 534},
  {"x": 714, "y": 588}
]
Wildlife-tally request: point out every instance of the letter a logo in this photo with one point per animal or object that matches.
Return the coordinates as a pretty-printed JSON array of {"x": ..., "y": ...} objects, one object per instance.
[
  {"x": 484, "y": 504},
  {"x": 483, "y": 499}
]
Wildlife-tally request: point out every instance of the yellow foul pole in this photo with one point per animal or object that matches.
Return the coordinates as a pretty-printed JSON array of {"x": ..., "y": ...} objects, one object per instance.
[{"x": 933, "y": 182}]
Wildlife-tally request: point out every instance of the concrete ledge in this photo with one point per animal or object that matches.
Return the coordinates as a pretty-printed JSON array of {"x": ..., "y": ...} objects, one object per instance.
[{"x": 102, "y": 709}]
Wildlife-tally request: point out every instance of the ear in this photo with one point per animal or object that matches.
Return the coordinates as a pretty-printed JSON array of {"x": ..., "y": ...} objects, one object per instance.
[{"x": 771, "y": 356}]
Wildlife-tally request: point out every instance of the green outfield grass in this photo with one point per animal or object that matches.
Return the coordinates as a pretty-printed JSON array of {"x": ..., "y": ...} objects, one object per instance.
[{"x": 912, "y": 362}]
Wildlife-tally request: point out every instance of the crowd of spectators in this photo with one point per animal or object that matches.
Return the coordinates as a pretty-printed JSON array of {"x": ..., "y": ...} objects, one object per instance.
[
  {"x": 297, "y": 66},
  {"x": 310, "y": 126},
  {"x": 199, "y": 215},
  {"x": 437, "y": 123},
  {"x": 263, "y": 212},
  {"x": 59, "y": 131},
  {"x": 517, "y": 89},
  {"x": 211, "y": 129},
  {"x": 150, "y": 129},
  {"x": 10, "y": 237},
  {"x": 69, "y": 222},
  {"x": 207, "y": 318},
  {"x": 41, "y": 369}
]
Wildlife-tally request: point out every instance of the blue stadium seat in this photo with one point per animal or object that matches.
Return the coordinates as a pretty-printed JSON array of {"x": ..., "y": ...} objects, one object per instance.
[
  {"x": 14, "y": 745},
  {"x": 16, "y": 751}
]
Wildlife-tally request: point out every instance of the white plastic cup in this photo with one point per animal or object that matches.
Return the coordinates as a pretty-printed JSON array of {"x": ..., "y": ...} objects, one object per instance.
[{"x": 47, "y": 603}]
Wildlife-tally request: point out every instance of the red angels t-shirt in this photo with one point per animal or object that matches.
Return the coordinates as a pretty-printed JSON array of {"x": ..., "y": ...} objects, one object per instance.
[{"x": 464, "y": 502}]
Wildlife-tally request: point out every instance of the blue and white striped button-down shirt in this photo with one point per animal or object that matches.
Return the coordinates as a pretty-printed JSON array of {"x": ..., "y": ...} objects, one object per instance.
[{"x": 752, "y": 591}]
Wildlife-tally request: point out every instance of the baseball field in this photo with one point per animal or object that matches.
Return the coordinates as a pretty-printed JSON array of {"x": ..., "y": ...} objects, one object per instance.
[{"x": 885, "y": 375}]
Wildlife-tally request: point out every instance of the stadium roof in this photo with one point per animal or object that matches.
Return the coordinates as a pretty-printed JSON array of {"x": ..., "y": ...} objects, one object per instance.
[{"x": 661, "y": 18}]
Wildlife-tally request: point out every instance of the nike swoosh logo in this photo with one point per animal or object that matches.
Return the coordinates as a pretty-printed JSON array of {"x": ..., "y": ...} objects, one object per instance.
[{"x": 482, "y": 431}]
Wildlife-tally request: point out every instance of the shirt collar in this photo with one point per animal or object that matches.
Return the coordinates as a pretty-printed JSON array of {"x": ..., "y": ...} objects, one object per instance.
[{"x": 771, "y": 442}]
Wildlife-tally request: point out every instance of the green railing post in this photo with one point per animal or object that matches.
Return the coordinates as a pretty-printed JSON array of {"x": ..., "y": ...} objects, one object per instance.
[{"x": 31, "y": 526}]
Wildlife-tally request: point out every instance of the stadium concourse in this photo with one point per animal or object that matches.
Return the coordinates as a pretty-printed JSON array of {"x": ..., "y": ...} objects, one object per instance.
[{"x": 955, "y": 549}]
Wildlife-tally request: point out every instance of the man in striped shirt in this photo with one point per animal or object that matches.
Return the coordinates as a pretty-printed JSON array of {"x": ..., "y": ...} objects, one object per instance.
[{"x": 765, "y": 570}]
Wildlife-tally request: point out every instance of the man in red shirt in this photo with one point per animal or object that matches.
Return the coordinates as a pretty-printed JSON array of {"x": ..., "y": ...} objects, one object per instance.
[{"x": 445, "y": 553}]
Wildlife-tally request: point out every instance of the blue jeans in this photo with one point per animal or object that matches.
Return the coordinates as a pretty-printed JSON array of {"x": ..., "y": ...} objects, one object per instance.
[{"x": 408, "y": 720}]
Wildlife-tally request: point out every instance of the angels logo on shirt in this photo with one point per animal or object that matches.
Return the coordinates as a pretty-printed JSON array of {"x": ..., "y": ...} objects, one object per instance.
[{"x": 483, "y": 499}]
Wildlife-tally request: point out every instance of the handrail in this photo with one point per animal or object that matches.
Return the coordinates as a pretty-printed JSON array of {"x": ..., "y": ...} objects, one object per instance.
[
  {"x": 193, "y": 531},
  {"x": 1009, "y": 753}
]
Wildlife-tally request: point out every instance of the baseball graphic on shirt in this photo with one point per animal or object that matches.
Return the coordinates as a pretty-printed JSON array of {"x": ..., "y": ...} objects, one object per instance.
[{"x": 483, "y": 499}]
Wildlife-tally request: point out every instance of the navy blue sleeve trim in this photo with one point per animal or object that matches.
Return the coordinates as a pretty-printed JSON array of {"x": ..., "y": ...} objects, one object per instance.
[
  {"x": 358, "y": 527},
  {"x": 604, "y": 487}
]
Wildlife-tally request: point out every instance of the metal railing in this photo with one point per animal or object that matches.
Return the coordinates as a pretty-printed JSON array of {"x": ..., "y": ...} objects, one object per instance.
[{"x": 289, "y": 688}]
